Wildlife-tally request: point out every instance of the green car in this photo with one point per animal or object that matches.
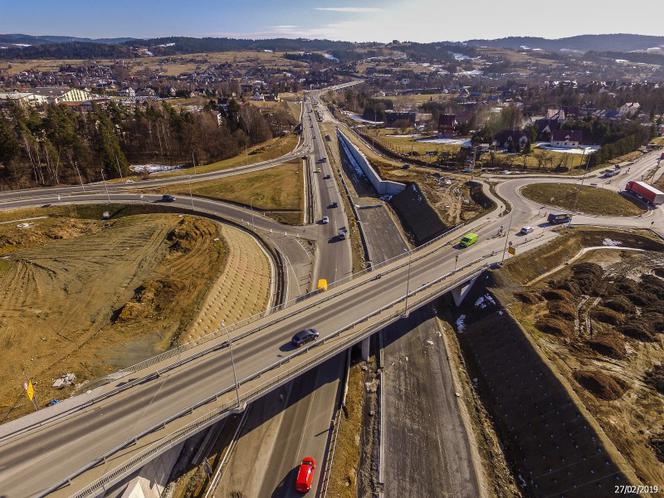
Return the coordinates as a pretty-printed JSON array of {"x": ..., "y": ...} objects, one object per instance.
[{"x": 468, "y": 240}]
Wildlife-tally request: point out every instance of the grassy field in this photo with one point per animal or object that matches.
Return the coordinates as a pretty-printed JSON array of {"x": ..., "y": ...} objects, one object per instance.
[
  {"x": 538, "y": 159},
  {"x": 409, "y": 147},
  {"x": 291, "y": 106},
  {"x": 278, "y": 191},
  {"x": 590, "y": 200},
  {"x": 271, "y": 149},
  {"x": 533, "y": 264},
  {"x": 416, "y": 99},
  {"x": 172, "y": 65}
]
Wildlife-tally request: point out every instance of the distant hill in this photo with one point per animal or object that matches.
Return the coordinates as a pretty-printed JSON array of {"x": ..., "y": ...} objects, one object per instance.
[
  {"x": 21, "y": 46},
  {"x": 581, "y": 43},
  {"x": 16, "y": 46},
  {"x": 17, "y": 38}
]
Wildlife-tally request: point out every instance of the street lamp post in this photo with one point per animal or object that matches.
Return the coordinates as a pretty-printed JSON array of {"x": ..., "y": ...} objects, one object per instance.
[
  {"x": 108, "y": 196},
  {"x": 230, "y": 348},
  {"x": 507, "y": 235}
]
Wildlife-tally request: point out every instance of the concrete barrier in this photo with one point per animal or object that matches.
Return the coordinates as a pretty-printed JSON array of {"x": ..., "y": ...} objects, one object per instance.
[{"x": 360, "y": 162}]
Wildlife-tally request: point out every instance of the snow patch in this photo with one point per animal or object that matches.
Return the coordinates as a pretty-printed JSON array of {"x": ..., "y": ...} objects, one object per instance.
[
  {"x": 484, "y": 301},
  {"x": 461, "y": 324},
  {"x": 611, "y": 243}
]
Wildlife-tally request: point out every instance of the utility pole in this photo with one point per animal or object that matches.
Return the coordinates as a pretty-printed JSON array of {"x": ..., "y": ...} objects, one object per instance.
[
  {"x": 230, "y": 347},
  {"x": 108, "y": 196}
]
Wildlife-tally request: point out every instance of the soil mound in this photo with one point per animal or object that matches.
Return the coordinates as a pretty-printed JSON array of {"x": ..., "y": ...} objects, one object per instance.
[
  {"x": 564, "y": 310},
  {"x": 528, "y": 297},
  {"x": 588, "y": 277},
  {"x": 603, "y": 386},
  {"x": 555, "y": 326},
  {"x": 637, "y": 330},
  {"x": 655, "y": 378},
  {"x": 609, "y": 344},
  {"x": 619, "y": 304},
  {"x": 557, "y": 295},
  {"x": 606, "y": 315}
]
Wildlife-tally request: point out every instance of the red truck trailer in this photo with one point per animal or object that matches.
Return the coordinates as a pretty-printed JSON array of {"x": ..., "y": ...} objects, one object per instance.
[{"x": 647, "y": 192}]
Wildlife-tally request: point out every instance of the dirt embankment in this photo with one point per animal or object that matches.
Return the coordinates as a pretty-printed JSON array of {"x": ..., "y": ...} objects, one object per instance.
[
  {"x": 87, "y": 297},
  {"x": 551, "y": 447},
  {"x": 601, "y": 323},
  {"x": 452, "y": 198}
]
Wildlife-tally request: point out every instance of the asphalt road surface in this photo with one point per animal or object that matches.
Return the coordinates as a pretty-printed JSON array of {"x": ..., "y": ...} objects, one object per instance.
[
  {"x": 60, "y": 448},
  {"x": 295, "y": 422},
  {"x": 427, "y": 448},
  {"x": 39, "y": 458}
]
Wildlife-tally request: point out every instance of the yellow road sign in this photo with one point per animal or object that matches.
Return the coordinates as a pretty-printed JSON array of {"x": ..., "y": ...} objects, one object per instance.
[
  {"x": 29, "y": 390},
  {"x": 511, "y": 250}
]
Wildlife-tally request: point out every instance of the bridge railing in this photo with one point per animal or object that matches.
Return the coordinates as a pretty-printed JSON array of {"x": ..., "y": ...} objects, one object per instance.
[
  {"x": 183, "y": 352},
  {"x": 111, "y": 477}
]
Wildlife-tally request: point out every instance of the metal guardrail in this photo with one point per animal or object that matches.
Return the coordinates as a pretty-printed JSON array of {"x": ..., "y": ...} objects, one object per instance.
[
  {"x": 414, "y": 255},
  {"x": 208, "y": 419}
]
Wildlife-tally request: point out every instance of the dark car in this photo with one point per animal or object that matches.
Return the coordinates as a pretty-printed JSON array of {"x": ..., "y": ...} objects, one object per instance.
[
  {"x": 304, "y": 336},
  {"x": 326, "y": 177},
  {"x": 167, "y": 198},
  {"x": 559, "y": 218},
  {"x": 333, "y": 205}
]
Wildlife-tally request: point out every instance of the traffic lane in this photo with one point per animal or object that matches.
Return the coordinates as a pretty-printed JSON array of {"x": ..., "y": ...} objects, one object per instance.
[
  {"x": 224, "y": 210},
  {"x": 278, "y": 440},
  {"x": 157, "y": 182},
  {"x": 262, "y": 350},
  {"x": 305, "y": 428},
  {"x": 422, "y": 414},
  {"x": 383, "y": 237}
]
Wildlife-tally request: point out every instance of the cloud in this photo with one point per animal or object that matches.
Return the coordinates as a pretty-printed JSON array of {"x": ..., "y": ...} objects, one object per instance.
[{"x": 350, "y": 10}]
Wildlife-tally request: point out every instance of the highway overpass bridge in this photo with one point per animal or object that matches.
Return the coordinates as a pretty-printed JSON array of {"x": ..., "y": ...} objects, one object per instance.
[{"x": 87, "y": 443}]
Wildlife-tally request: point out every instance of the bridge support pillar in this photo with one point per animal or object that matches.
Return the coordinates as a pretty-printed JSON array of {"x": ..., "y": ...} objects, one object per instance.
[
  {"x": 460, "y": 293},
  {"x": 152, "y": 479},
  {"x": 365, "y": 349}
]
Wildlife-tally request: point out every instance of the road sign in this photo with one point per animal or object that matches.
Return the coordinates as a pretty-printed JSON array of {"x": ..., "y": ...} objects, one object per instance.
[
  {"x": 511, "y": 250},
  {"x": 29, "y": 390}
]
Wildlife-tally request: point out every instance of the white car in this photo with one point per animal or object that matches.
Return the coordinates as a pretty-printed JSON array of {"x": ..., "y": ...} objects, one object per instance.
[
  {"x": 325, "y": 220},
  {"x": 526, "y": 230}
]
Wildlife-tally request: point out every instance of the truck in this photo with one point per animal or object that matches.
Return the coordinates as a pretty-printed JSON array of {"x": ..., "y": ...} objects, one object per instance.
[
  {"x": 559, "y": 218},
  {"x": 646, "y": 192}
]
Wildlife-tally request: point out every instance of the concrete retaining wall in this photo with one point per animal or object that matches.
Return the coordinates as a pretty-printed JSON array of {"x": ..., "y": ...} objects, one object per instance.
[{"x": 360, "y": 162}]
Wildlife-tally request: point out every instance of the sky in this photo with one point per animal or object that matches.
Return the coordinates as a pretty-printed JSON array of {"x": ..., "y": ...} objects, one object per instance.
[{"x": 353, "y": 20}]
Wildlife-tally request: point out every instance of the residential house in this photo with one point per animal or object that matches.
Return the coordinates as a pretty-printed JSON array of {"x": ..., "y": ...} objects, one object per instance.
[
  {"x": 566, "y": 138},
  {"x": 447, "y": 125},
  {"x": 511, "y": 141},
  {"x": 393, "y": 118},
  {"x": 629, "y": 110}
]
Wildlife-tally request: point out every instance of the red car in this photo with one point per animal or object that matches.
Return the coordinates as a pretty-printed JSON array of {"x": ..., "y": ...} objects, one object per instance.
[{"x": 305, "y": 475}]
